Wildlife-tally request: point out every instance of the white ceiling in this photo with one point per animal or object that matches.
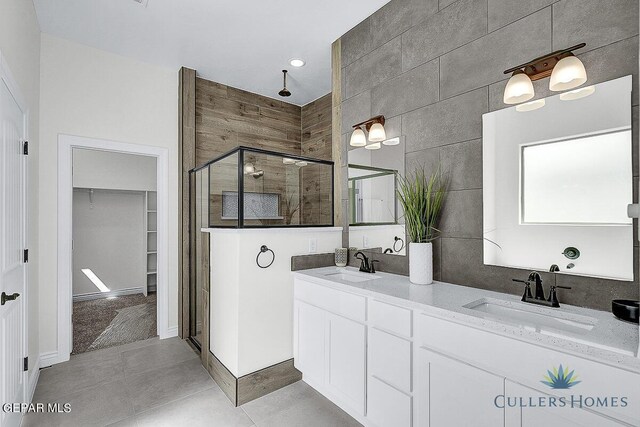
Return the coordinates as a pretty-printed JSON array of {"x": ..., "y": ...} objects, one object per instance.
[{"x": 241, "y": 43}]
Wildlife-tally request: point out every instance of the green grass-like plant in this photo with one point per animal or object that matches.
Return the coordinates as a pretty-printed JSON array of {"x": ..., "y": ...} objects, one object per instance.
[{"x": 422, "y": 199}]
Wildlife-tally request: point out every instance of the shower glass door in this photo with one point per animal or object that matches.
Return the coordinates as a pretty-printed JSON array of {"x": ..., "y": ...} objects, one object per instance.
[{"x": 199, "y": 256}]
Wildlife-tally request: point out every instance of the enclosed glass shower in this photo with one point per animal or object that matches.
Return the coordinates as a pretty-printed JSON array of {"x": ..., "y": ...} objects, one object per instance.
[{"x": 252, "y": 188}]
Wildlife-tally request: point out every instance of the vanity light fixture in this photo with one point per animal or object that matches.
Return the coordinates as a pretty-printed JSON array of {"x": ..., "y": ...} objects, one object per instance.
[
  {"x": 392, "y": 141},
  {"x": 577, "y": 93},
  {"x": 358, "y": 138},
  {"x": 530, "y": 106},
  {"x": 375, "y": 127},
  {"x": 564, "y": 68}
]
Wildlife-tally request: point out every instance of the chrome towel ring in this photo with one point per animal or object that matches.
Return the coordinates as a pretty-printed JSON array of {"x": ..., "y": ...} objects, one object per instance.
[{"x": 264, "y": 249}]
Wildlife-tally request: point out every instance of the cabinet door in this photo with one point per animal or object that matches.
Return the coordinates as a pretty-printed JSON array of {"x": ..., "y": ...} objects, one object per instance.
[
  {"x": 452, "y": 393},
  {"x": 530, "y": 408},
  {"x": 309, "y": 342},
  {"x": 346, "y": 346}
]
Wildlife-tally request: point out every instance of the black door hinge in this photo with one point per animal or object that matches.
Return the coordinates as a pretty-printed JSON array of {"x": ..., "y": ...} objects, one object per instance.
[
  {"x": 25, "y": 365},
  {"x": 25, "y": 148},
  {"x": 25, "y": 256}
]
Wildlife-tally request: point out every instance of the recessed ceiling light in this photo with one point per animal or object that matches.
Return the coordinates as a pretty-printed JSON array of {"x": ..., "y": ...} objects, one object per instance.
[{"x": 295, "y": 62}]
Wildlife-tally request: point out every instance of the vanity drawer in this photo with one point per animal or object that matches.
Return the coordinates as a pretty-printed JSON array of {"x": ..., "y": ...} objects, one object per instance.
[
  {"x": 526, "y": 363},
  {"x": 345, "y": 304},
  {"x": 390, "y": 359},
  {"x": 387, "y": 406},
  {"x": 390, "y": 317}
]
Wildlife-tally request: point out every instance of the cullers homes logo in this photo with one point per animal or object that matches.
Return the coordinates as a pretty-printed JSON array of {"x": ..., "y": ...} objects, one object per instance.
[{"x": 560, "y": 379}]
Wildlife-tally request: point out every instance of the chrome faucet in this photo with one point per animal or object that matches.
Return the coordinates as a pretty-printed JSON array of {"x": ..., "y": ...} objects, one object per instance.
[
  {"x": 366, "y": 266},
  {"x": 539, "y": 298}
]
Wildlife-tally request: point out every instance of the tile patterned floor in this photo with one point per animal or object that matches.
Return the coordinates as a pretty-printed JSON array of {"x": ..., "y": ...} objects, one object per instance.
[{"x": 161, "y": 383}]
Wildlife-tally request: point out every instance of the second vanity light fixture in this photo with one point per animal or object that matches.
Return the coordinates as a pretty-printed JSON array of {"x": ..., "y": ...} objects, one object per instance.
[
  {"x": 566, "y": 72},
  {"x": 377, "y": 134}
]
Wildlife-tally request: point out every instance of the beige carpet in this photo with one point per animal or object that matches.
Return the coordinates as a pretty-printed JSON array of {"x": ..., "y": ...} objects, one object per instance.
[{"x": 108, "y": 322}]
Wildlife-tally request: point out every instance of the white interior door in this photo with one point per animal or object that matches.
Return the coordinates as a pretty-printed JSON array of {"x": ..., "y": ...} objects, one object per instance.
[{"x": 12, "y": 245}]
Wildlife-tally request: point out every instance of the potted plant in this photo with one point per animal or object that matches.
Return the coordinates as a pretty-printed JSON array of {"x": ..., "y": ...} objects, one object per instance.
[{"x": 422, "y": 199}]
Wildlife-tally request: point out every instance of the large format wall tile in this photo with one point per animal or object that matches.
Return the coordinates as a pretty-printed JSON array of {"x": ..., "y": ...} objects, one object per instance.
[
  {"x": 474, "y": 41},
  {"x": 462, "y": 263},
  {"x": 356, "y": 43},
  {"x": 462, "y": 214},
  {"x": 418, "y": 86},
  {"x": 356, "y": 110},
  {"x": 454, "y": 120},
  {"x": 613, "y": 61},
  {"x": 460, "y": 23},
  {"x": 504, "y": 12},
  {"x": 462, "y": 163},
  {"x": 397, "y": 16},
  {"x": 594, "y": 22},
  {"x": 483, "y": 61},
  {"x": 374, "y": 68}
]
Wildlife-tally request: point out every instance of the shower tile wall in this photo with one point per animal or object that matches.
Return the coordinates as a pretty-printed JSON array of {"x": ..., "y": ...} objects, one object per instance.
[{"x": 434, "y": 67}]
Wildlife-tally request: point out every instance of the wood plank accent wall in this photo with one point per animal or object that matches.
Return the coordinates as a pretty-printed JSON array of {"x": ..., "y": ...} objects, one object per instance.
[
  {"x": 187, "y": 160},
  {"x": 338, "y": 149},
  {"x": 227, "y": 117},
  {"x": 214, "y": 119},
  {"x": 316, "y": 142}
]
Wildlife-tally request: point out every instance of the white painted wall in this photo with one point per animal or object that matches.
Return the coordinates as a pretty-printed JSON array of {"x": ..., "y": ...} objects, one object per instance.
[
  {"x": 20, "y": 46},
  {"x": 114, "y": 171},
  {"x": 92, "y": 93},
  {"x": 109, "y": 239},
  {"x": 251, "y": 307}
]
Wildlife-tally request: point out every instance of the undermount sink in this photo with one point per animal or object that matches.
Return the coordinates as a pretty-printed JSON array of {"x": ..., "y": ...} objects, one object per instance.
[
  {"x": 352, "y": 277},
  {"x": 531, "y": 317}
]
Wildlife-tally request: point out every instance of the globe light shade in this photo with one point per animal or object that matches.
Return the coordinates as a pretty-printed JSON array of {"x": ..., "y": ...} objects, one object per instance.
[
  {"x": 377, "y": 133},
  {"x": 358, "y": 138},
  {"x": 568, "y": 73},
  {"x": 519, "y": 89}
]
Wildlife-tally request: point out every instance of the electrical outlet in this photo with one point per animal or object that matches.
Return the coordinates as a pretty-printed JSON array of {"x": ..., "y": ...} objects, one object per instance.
[{"x": 313, "y": 246}]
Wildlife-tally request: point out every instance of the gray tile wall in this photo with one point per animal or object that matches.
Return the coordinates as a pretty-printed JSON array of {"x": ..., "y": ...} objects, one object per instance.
[{"x": 434, "y": 67}]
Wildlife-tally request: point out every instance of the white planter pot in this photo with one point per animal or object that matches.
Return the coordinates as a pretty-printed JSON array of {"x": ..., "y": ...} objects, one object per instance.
[{"x": 421, "y": 263}]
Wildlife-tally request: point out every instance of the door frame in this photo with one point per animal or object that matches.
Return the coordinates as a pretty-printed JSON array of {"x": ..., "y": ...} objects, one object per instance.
[
  {"x": 66, "y": 144},
  {"x": 7, "y": 77}
]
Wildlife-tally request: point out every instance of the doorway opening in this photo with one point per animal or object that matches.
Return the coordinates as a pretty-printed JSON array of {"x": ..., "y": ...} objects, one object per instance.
[
  {"x": 112, "y": 244},
  {"x": 114, "y": 251}
]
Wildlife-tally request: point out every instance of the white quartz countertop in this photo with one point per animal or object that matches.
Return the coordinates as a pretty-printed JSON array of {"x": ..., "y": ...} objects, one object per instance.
[{"x": 610, "y": 341}]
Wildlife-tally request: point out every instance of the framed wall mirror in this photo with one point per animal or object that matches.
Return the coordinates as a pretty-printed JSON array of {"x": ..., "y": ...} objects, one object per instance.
[
  {"x": 557, "y": 182},
  {"x": 375, "y": 216}
]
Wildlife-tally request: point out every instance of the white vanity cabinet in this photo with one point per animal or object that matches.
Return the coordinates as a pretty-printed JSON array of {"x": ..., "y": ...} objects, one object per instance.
[
  {"x": 330, "y": 343},
  {"x": 393, "y": 365},
  {"x": 452, "y": 393}
]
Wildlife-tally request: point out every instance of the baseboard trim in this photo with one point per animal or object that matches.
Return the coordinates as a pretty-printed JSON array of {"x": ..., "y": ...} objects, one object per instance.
[
  {"x": 116, "y": 293},
  {"x": 264, "y": 381},
  {"x": 171, "y": 332},
  {"x": 49, "y": 359},
  {"x": 33, "y": 379},
  {"x": 254, "y": 385}
]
